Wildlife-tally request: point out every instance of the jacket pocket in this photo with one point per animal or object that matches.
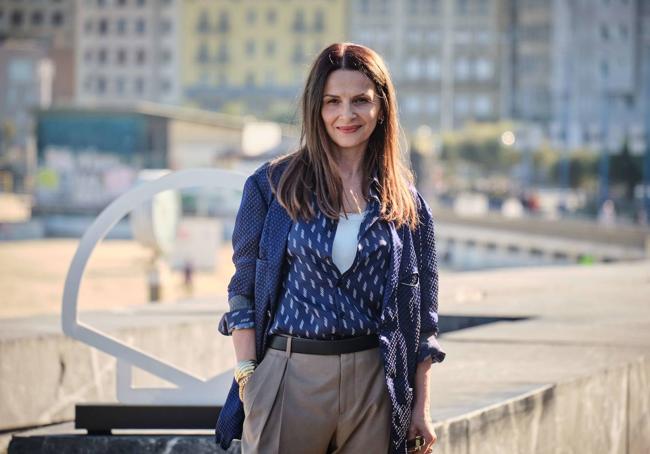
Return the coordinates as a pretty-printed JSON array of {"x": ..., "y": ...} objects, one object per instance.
[{"x": 410, "y": 279}]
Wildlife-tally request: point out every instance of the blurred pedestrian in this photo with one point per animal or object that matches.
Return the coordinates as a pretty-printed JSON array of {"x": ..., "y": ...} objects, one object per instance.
[
  {"x": 334, "y": 300},
  {"x": 607, "y": 214},
  {"x": 188, "y": 277}
]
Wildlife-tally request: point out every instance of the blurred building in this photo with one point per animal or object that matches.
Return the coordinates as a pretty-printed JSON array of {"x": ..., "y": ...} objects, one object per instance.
[
  {"x": 25, "y": 84},
  {"x": 53, "y": 24},
  {"x": 128, "y": 49},
  {"x": 578, "y": 69},
  {"x": 253, "y": 57},
  {"x": 88, "y": 156},
  {"x": 446, "y": 57}
]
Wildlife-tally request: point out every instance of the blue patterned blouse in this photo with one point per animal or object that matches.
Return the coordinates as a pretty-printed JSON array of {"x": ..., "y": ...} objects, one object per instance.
[{"x": 318, "y": 301}]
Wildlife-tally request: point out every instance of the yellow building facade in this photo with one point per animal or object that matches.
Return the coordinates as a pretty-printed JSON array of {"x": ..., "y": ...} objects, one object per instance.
[{"x": 231, "y": 49}]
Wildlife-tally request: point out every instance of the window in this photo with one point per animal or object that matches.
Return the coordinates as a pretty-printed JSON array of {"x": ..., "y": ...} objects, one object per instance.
[
  {"x": 413, "y": 68},
  {"x": 250, "y": 79},
  {"x": 483, "y": 7},
  {"x": 251, "y": 16},
  {"x": 482, "y": 37},
  {"x": 604, "y": 32},
  {"x": 202, "y": 53},
  {"x": 604, "y": 69},
  {"x": 101, "y": 85},
  {"x": 414, "y": 37},
  {"x": 141, "y": 56},
  {"x": 299, "y": 21},
  {"x": 412, "y": 104},
  {"x": 432, "y": 37},
  {"x": 222, "y": 54},
  {"x": 120, "y": 85},
  {"x": 88, "y": 26},
  {"x": 433, "y": 6},
  {"x": 224, "y": 22},
  {"x": 165, "y": 26},
  {"x": 270, "y": 47},
  {"x": 121, "y": 26},
  {"x": 462, "y": 69},
  {"x": 17, "y": 18},
  {"x": 140, "y": 26},
  {"x": 298, "y": 53},
  {"x": 624, "y": 32},
  {"x": 103, "y": 26},
  {"x": 462, "y": 6},
  {"x": 37, "y": 18},
  {"x": 139, "y": 85},
  {"x": 165, "y": 56},
  {"x": 431, "y": 104},
  {"x": 203, "y": 26},
  {"x": 463, "y": 37},
  {"x": 121, "y": 56},
  {"x": 250, "y": 47},
  {"x": 483, "y": 69},
  {"x": 165, "y": 86},
  {"x": 121, "y": 2},
  {"x": 319, "y": 21},
  {"x": 433, "y": 68},
  {"x": 461, "y": 105},
  {"x": 140, "y": 3},
  {"x": 102, "y": 56},
  {"x": 482, "y": 105},
  {"x": 271, "y": 16},
  {"x": 88, "y": 56}
]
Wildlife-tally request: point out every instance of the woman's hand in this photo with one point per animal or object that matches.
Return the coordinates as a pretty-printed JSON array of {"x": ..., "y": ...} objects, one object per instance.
[
  {"x": 421, "y": 425},
  {"x": 421, "y": 416}
]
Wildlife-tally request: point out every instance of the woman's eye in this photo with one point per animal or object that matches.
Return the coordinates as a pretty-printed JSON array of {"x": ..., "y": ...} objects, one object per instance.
[
  {"x": 361, "y": 100},
  {"x": 333, "y": 101}
]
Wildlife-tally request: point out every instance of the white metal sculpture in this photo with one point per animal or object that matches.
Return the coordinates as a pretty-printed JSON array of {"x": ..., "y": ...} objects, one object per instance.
[{"x": 190, "y": 390}]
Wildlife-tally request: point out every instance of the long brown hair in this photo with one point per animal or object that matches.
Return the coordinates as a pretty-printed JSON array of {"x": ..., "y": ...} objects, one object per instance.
[{"x": 312, "y": 169}]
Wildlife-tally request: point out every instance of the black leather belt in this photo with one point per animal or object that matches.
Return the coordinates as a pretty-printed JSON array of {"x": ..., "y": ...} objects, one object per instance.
[{"x": 325, "y": 347}]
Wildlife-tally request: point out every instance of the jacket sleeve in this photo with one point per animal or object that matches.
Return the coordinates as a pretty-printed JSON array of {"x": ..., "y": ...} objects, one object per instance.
[
  {"x": 428, "y": 272},
  {"x": 245, "y": 241}
]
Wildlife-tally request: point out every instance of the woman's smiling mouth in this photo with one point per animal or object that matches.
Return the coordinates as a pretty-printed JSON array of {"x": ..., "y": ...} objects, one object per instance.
[{"x": 348, "y": 129}]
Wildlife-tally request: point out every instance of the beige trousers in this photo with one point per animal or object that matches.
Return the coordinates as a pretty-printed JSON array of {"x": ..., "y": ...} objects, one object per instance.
[{"x": 296, "y": 403}]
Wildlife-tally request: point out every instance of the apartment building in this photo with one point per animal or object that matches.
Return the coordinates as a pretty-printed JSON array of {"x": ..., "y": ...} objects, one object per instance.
[
  {"x": 128, "y": 50},
  {"x": 445, "y": 56},
  {"x": 253, "y": 56},
  {"x": 51, "y": 24}
]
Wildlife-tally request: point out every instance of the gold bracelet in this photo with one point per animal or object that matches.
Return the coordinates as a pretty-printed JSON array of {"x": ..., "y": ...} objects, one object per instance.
[
  {"x": 242, "y": 385},
  {"x": 244, "y": 368}
]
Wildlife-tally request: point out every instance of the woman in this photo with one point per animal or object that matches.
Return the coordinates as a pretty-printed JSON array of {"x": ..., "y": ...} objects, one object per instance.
[{"x": 333, "y": 304}]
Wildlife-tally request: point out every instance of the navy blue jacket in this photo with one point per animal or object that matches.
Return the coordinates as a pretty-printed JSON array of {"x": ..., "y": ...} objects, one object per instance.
[{"x": 410, "y": 301}]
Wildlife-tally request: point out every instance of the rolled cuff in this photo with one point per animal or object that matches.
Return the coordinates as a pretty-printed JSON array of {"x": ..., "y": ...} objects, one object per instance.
[
  {"x": 237, "y": 319},
  {"x": 429, "y": 347}
]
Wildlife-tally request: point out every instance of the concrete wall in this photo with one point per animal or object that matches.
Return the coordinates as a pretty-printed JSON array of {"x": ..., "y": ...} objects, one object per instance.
[
  {"x": 608, "y": 412},
  {"x": 43, "y": 377}
]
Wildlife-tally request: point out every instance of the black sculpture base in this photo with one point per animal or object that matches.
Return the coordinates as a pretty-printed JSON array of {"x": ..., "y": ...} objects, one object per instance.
[{"x": 100, "y": 419}]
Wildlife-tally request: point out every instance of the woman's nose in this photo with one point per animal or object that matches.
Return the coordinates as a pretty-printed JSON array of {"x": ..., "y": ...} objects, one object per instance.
[{"x": 348, "y": 110}]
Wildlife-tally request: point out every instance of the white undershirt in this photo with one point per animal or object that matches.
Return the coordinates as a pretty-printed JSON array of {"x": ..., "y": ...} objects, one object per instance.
[{"x": 344, "y": 248}]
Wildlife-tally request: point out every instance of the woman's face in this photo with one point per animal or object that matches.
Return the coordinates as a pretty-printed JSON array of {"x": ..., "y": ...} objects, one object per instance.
[{"x": 350, "y": 109}]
